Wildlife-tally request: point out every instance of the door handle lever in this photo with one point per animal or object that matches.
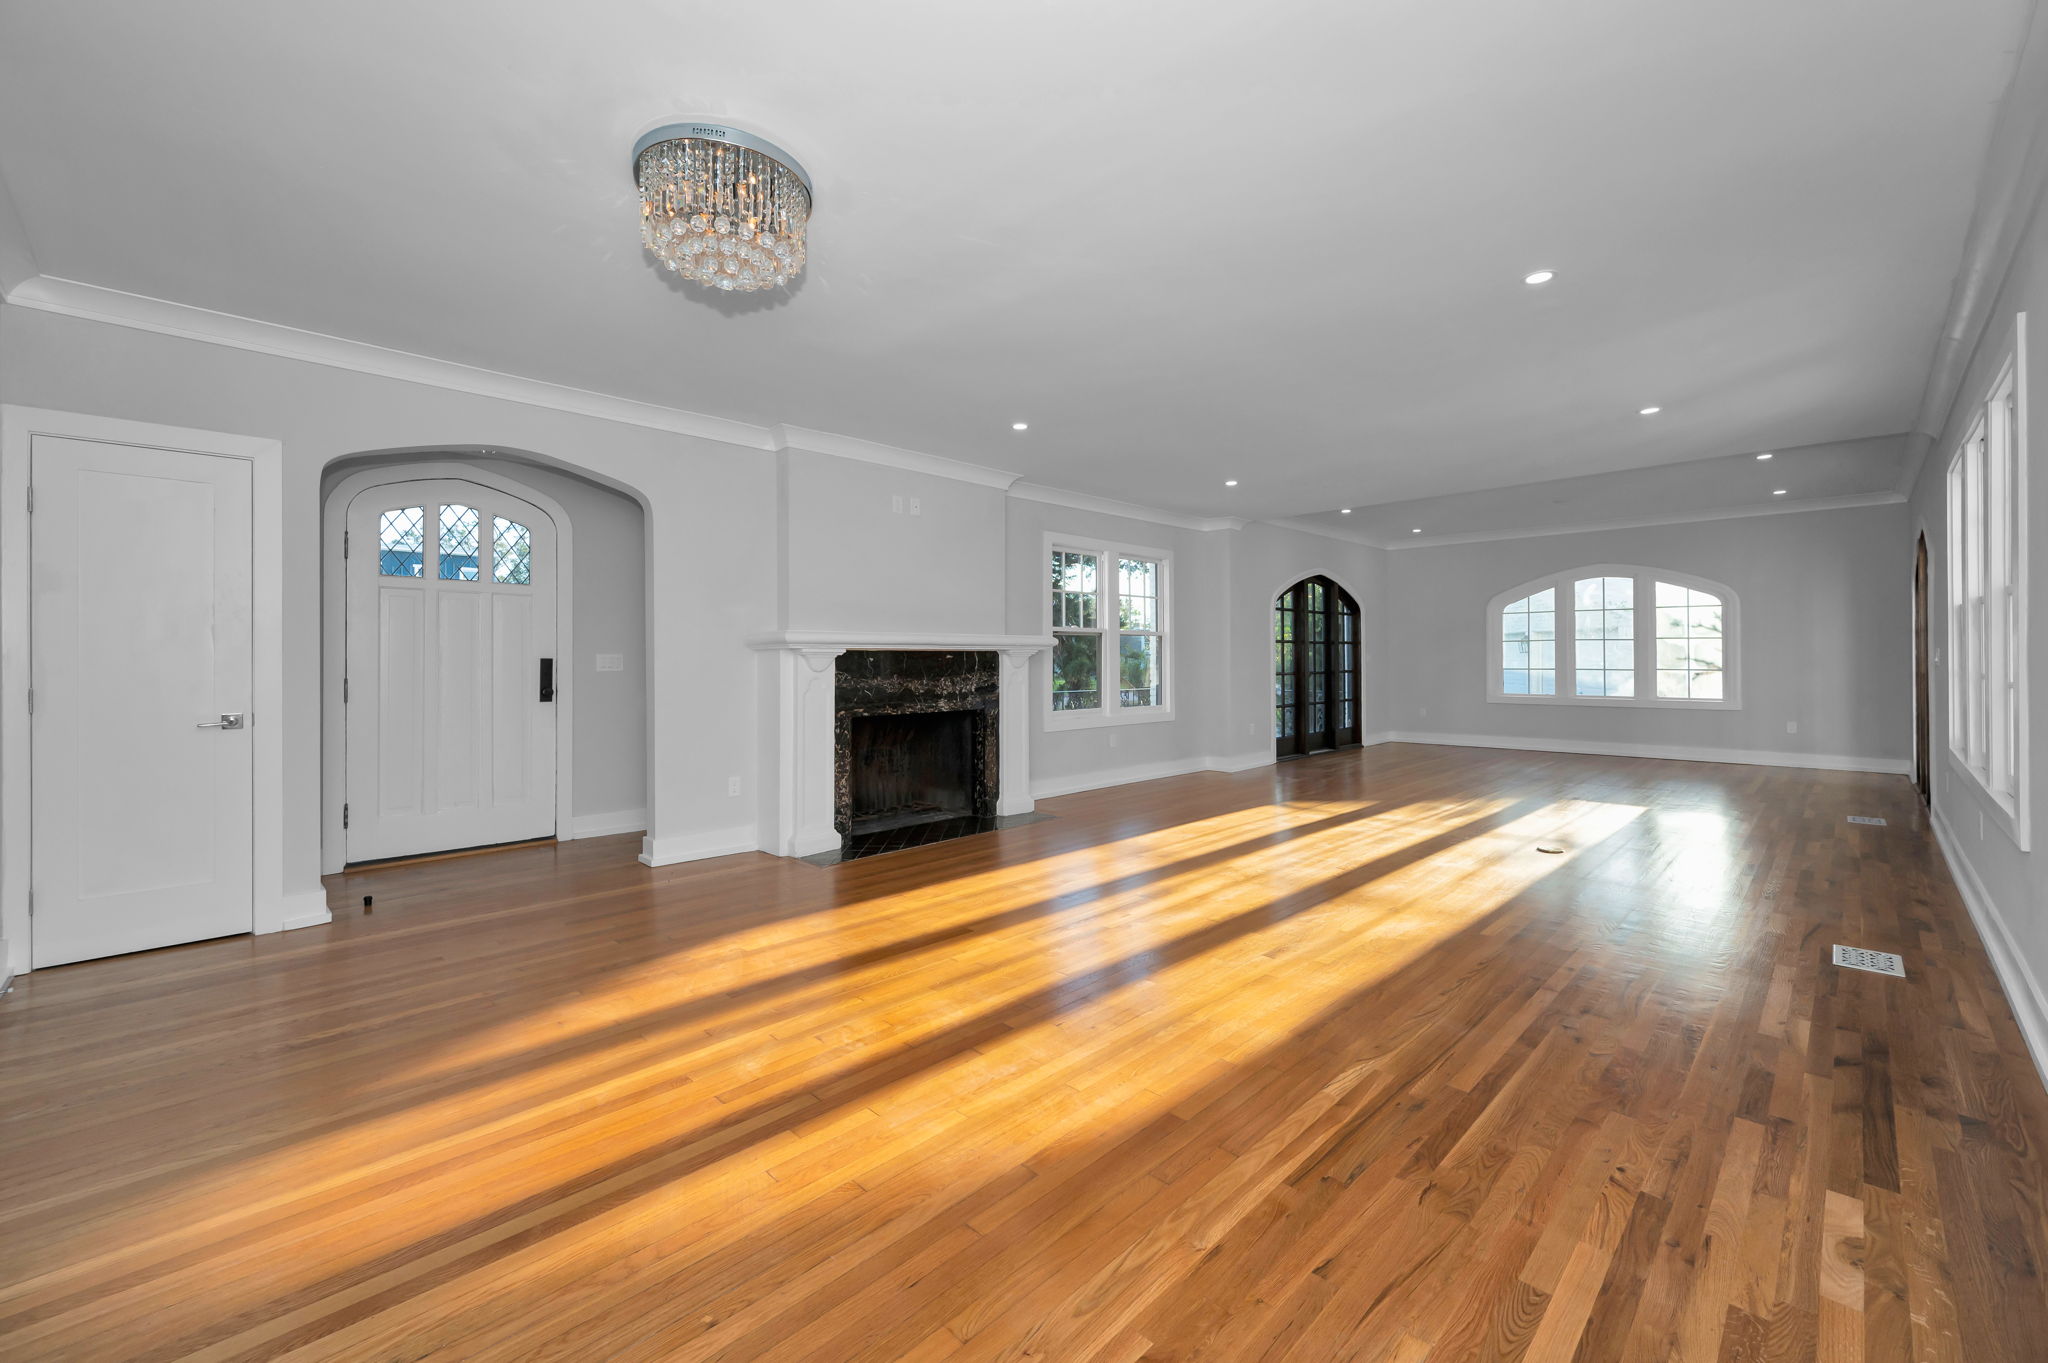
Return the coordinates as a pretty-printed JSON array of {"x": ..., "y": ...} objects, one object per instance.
[{"x": 224, "y": 722}]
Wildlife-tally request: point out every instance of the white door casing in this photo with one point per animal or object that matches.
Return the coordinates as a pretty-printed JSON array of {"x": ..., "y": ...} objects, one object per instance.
[
  {"x": 141, "y": 641},
  {"x": 449, "y": 742}
]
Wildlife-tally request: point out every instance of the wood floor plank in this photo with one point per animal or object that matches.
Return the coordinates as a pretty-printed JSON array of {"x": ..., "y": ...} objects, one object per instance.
[{"x": 1322, "y": 1062}]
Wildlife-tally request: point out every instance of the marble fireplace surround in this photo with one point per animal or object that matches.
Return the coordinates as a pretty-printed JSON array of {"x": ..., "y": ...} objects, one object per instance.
[{"x": 799, "y": 676}]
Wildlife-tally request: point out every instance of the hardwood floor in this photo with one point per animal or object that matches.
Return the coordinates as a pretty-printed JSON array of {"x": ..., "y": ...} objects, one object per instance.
[{"x": 1318, "y": 1062}]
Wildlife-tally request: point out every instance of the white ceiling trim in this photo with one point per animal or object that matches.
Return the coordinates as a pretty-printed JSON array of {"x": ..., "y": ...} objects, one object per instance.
[
  {"x": 1676, "y": 518},
  {"x": 70, "y": 298},
  {"x": 873, "y": 452},
  {"x": 1330, "y": 532},
  {"x": 1108, "y": 506},
  {"x": 2008, "y": 195}
]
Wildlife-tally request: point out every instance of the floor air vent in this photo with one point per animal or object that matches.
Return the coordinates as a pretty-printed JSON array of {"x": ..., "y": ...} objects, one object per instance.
[
  {"x": 1877, "y": 962},
  {"x": 1866, "y": 818}
]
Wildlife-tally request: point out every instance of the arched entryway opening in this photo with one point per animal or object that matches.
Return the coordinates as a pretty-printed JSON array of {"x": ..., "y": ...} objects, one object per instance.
[
  {"x": 548, "y": 716},
  {"x": 1316, "y": 693}
]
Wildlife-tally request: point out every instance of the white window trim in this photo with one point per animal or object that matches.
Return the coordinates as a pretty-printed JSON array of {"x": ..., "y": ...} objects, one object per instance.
[
  {"x": 1646, "y": 580},
  {"x": 2008, "y": 809},
  {"x": 1106, "y": 552}
]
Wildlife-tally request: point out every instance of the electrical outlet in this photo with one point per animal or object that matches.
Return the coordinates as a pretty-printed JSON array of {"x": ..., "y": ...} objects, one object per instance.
[
  {"x": 917, "y": 506},
  {"x": 1791, "y": 726},
  {"x": 732, "y": 785},
  {"x": 611, "y": 662}
]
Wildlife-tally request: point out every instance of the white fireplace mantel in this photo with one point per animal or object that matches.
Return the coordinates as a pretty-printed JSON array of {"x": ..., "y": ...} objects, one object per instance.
[{"x": 798, "y": 691}]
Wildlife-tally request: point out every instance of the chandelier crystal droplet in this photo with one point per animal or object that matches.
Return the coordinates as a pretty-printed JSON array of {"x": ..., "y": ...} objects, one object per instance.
[{"x": 721, "y": 207}]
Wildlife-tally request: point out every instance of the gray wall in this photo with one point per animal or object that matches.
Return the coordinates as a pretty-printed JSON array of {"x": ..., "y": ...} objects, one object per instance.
[
  {"x": 1825, "y": 634},
  {"x": 2015, "y": 883}
]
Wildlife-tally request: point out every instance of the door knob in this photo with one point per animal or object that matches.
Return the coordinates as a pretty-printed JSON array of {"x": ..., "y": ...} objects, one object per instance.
[{"x": 224, "y": 722}]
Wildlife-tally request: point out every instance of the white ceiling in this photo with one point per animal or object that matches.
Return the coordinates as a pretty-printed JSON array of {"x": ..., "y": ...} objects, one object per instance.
[
  {"x": 1725, "y": 485},
  {"x": 1186, "y": 242}
]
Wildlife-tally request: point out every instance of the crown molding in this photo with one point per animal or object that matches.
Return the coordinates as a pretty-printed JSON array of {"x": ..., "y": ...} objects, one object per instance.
[
  {"x": 873, "y": 452},
  {"x": 1329, "y": 532},
  {"x": 1676, "y": 518},
  {"x": 2010, "y": 186},
  {"x": 1109, "y": 506},
  {"x": 69, "y": 298}
]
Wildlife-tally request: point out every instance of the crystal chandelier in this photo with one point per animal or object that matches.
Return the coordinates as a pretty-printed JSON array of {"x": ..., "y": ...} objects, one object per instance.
[{"x": 721, "y": 206}]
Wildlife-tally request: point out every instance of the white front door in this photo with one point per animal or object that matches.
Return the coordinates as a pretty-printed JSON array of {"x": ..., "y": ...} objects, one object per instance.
[
  {"x": 451, "y": 642},
  {"x": 141, "y": 787}
]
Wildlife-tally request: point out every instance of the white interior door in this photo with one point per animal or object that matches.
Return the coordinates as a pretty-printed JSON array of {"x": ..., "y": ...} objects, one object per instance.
[
  {"x": 451, "y": 625},
  {"x": 141, "y": 603}
]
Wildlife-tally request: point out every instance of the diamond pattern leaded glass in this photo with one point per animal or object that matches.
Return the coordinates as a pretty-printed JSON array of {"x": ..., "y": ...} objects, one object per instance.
[
  {"x": 458, "y": 544},
  {"x": 401, "y": 542},
  {"x": 511, "y": 552}
]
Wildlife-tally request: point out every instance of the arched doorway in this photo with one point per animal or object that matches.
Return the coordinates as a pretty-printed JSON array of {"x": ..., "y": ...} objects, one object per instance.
[{"x": 1315, "y": 669}]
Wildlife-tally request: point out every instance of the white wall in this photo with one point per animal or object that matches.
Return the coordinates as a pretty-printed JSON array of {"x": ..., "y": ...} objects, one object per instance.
[{"x": 1825, "y": 636}]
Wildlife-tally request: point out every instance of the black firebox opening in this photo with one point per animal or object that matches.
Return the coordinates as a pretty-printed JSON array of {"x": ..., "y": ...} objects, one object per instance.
[{"x": 911, "y": 769}]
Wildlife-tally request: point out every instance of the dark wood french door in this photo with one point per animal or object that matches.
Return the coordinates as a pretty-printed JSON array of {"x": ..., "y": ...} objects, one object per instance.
[{"x": 1315, "y": 669}]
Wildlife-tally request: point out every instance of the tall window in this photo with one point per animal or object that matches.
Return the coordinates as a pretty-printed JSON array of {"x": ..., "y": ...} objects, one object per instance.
[
  {"x": 1626, "y": 626},
  {"x": 1107, "y": 614},
  {"x": 1316, "y": 696},
  {"x": 1986, "y": 578}
]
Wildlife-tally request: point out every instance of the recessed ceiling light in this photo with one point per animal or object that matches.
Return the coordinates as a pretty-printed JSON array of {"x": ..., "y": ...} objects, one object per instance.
[
  {"x": 1020, "y": 425},
  {"x": 1540, "y": 277},
  {"x": 1416, "y": 531},
  {"x": 1777, "y": 492},
  {"x": 1230, "y": 482},
  {"x": 1344, "y": 511},
  {"x": 1649, "y": 411},
  {"x": 1765, "y": 455}
]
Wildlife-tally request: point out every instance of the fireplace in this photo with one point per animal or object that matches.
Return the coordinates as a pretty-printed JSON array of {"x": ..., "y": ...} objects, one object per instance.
[
  {"x": 915, "y": 740},
  {"x": 815, "y": 684}
]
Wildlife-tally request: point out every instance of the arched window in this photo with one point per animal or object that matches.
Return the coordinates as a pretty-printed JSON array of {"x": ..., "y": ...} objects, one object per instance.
[
  {"x": 1315, "y": 668},
  {"x": 1612, "y": 634}
]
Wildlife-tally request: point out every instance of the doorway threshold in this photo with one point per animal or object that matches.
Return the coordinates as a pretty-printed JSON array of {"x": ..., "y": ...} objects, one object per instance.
[{"x": 421, "y": 858}]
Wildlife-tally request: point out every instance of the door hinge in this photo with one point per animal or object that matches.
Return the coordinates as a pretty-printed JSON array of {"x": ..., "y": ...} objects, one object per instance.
[
  {"x": 31, "y": 700},
  {"x": 31, "y": 499},
  {"x": 31, "y": 903},
  {"x": 344, "y": 690},
  {"x": 344, "y": 816},
  {"x": 344, "y": 544}
]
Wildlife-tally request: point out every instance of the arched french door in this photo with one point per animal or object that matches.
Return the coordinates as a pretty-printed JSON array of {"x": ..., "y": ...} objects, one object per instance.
[{"x": 1315, "y": 668}]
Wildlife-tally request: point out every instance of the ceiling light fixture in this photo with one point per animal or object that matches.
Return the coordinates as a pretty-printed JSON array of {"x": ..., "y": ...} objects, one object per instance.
[
  {"x": 1649, "y": 411},
  {"x": 1020, "y": 425},
  {"x": 1765, "y": 455},
  {"x": 1777, "y": 492},
  {"x": 1230, "y": 482},
  {"x": 1344, "y": 511},
  {"x": 1416, "y": 531},
  {"x": 1539, "y": 277},
  {"x": 722, "y": 207}
]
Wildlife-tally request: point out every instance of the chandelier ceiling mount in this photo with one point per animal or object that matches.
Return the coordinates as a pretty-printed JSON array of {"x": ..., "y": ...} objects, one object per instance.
[{"x": 720, "y": 206}]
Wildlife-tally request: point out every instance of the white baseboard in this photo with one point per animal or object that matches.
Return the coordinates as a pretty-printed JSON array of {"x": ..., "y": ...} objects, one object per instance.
[
  {"x": 6, "y": 969},
  {"x": 2022, "y": 990},
  {"x": 306, "y": 909},
  {"x": 714, "y": 842},
  {"x": 1147, "y": 771},
  {"x": 1744, "y": 757},
  {"x": 605, "y": 825}
]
